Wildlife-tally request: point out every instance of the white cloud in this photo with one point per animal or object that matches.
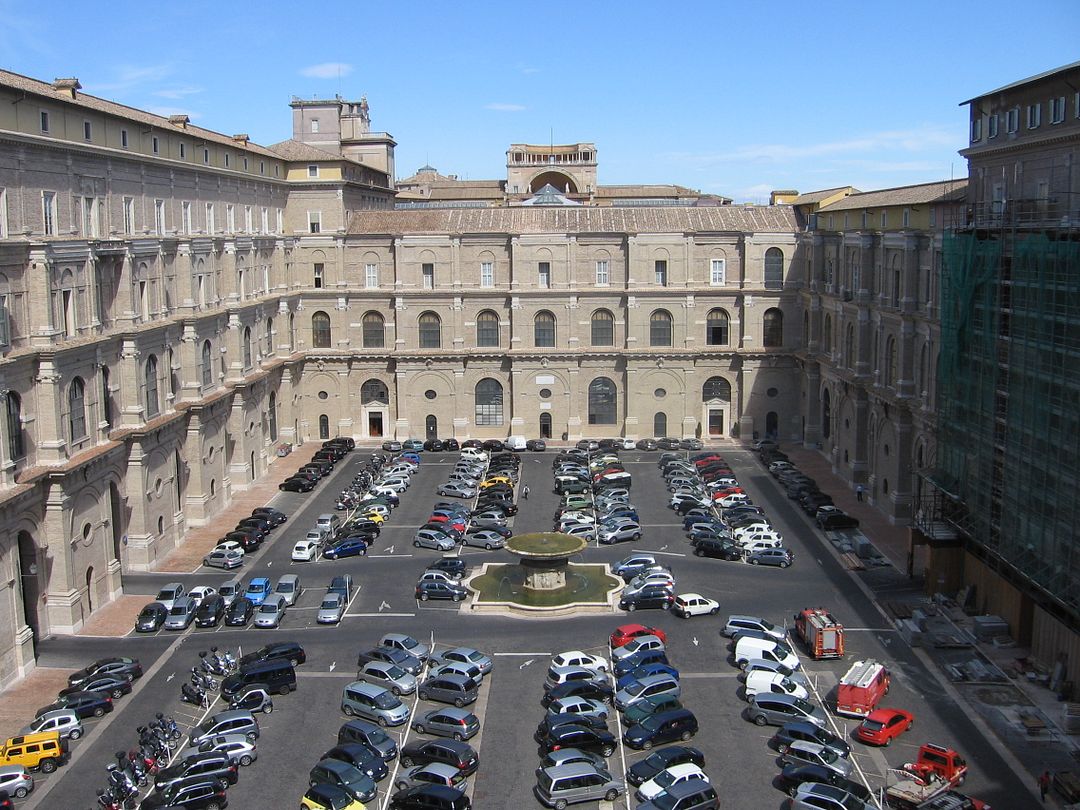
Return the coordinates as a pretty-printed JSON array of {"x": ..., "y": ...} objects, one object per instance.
[
  {"x": 130, "y": 76},
  {"x": 500, "y": 107},
  {"x": 327, "y": 70},
  {"x": 178, "y": 92}
]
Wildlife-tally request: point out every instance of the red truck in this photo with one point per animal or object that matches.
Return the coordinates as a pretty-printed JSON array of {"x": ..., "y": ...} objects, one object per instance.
[
  {"x": 861, "y": 688},
  {"x": 931, "y": 776},
  {"x": 820, "y": 632}
]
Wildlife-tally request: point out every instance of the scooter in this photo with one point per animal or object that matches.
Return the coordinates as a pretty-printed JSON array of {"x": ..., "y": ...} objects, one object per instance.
[{"x": 192, "y": 694}]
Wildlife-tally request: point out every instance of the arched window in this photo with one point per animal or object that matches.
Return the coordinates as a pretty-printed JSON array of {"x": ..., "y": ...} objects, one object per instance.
[
  {"x": 16, "y": 446},
  {"x": 774, "y": 269},
  {"x": 106, "y": 397},
  {"x": 324, "y": 426},
  {"x": 268, "y": 348},
  {"x": 247, "y": 347},
  {"x": 603, "y": 328},
  {"x": 773, "y": 323},
  {"x": 660, "y": 328},
  {"x": 320, "y": 330},
  {"x": 77, "y": 409},
  {"x": 545, "y": 425},
  {"x": 659, "y": 424},
  {"x": 374, "y": 330},
  {"x": 603, "y": 402},
  {"x": 152, "y": 408},
  {"x": 489, "y": 402},
  {"x": 716, "y": 388},
  {"x": 273, "y": 416},
  {"x": 544, "y": 329},
  {"x": 826, "y": 334},
  {"x": 890, "y": 361},
  {"x": 374, "y": 392},
  {"x": 430, "y": 331},
  {"x": 207, "y": 364},
  {"x": 292, "y": 332},
  {"x": 487, "y": 328},
  {"x": 716, "y": 330},
  {"x": 849, "y": 346}
]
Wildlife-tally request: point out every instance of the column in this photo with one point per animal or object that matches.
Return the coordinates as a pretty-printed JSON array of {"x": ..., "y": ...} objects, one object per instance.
[
  {"x": 48, "y": 414},
  {"x": 860, "y": 450},
  {"x": 812, "y": 405}
]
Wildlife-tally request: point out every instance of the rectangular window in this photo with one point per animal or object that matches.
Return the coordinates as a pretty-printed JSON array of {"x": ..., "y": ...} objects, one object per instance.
[
  {"x": 314, "y": 219},
  {"x": 1057, "y": 110},
  {"x": 159, "y": 217},
  {"x": 248, "y": 223},
  {"x": 230, "y": 218},
  {"x": 185, "y": 216},
  {"x": 210, "y": 224},
  {"x": 314, "y": 124},
  {"x": 1034, "y": 116},
  {"x": 1012, "y": 120},
  {"x": 206, "y": 156},
  {"x": 718, "y": 272},
  {"x": 245, "y": 163},
  {"x": 312, "y": 171},
  {"x": 660, "y": 272},
  {"x": 266, "y": 220},
  {"x": 280, "y": 221},
  {"x": 129, "y": 215},
  {"x": 428, "y": 272},
  {"x": 602, "y": 273},
  {"x": 3, "y": 213},
  {"x": 87, "y": 132},
  {"x": 183, "y": 151},
  {"x": 262, "y": 167},
  {"x": 487, "y": 274},
  {"x": 992, "y": 126},
  {"x": 44, "y": 121},
  {"x": 976, "y": 128},
  {"x": 884, "y": 219},
  {"x": 154, "y": 144},
  {"x": 371, "y": 276},
  {"x": 227, "y": 160},
  {"x": 544, "y": 280},
  {"x": 48, "y": 212},
  {"x": 123, "y": 139},
  {"x": 907, "y": 217},
  {"x": 317, "y": 275}
]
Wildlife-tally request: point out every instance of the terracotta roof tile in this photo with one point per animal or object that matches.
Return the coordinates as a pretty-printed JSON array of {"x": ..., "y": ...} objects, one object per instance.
[
  {"x": 903, "y": 195},
  {"x": 295, "y": 150}
]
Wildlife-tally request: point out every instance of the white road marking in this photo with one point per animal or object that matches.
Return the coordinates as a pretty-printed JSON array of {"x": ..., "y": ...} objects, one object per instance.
[
  {"x": 526, "y": 663},
  {"x": 525, "y": 654},
  {"x": 667, "y": 553},
  {"x": 370, "y": 615},
  {"x": 333, "y": 665}
]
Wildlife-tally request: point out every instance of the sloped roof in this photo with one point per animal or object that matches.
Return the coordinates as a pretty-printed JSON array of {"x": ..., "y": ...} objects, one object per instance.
[
  {"x": 817, "y": 196},
  {"x": 1044, "y": 75},
  {"x": 89, "y": 102},
  {"x": 902, "y": 195},
  {"x": 655, "y": 191},
  {"x": 584, "y": 219},
  {"x": 295, "y": 150}
]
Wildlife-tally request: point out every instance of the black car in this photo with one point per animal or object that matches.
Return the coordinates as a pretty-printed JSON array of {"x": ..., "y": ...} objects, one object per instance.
[
  {"x": 459, "y": 755},
  {"x": 662, "y": 727},
  {"x": 794, "y": 775},
  {"x": 84, "y": 704},
  {"x": 715, "y": 547},
  {"x": 360, "y": 757},
  {"x": 107, "y": 666},
  {"x": 492, "y": 445},
  {"x": 289, "y": 650},
  {"x": 577, "y": 736},
  {"x": 451, "y": 445},
  {"x": 193, "y": 793},
  {"x": 651, "y": 596},
  {"x": 472, "y": 443},
  {"x": 661, "y": 759},
  {"x": 554, "y": 721},
  {"x": 536, "y": 445},
  {"x": 248, "y": 539},
  {"x": 151, "y": 618},
  {"x": 647, "y": 444},
  {"x": 216, "y": 764},
  {"x": 210, "y": 611},
  {"x": 427, "y": 589},
  {"x": 115, "y": 686},
  {"x": 434, "y": 446},
  {"x": 593, "y": 690},
  {"x": 639, "y": 659},
  {"x": 668, "y": 444},
  {"x": 275, "y": 516},
  {"x": 425, "y": 797},
  {"x": 239, "y": 612},
  {"x": 837, "y": 521},
  {"x": 453, "y": 567},
  {"x": 259, "y": 525},
  {"x": 297, "y": 483}
]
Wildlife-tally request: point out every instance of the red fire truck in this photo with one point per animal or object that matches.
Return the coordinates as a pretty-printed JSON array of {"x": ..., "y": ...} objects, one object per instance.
[
  {"x": 820, "y": 632},
  {"x": 866, "y": 683}
]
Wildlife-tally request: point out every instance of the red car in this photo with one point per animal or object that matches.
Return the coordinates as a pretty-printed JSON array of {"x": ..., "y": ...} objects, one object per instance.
[
  {"x": 625, "y": 633},
  {"x": 882, "y": 726}
]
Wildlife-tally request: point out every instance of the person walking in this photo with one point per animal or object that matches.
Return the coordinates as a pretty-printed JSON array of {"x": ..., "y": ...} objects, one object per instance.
[
  {"x": 1044, "y": 785},
  {"x": 525, "y": 492},
  {"x": 859, "y": 492}
]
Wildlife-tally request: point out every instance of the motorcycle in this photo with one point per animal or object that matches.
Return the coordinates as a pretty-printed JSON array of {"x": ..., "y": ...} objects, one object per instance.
[{"x": 192, "y": 694}]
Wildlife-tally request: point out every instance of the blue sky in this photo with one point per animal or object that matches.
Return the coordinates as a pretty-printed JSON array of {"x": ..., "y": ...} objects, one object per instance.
[{"x": 732, "y": 98}]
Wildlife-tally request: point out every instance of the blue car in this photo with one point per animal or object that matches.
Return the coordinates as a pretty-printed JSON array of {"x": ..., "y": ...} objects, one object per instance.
[
  {"x": 257, "y": 590},
  {"x": 644, "y": 672},
  {"x": 690, "y": 520},
  {"x": 413, "y": 457},
  {"x": 349, "y": 547},
  {"x": 639, "y": 659}
]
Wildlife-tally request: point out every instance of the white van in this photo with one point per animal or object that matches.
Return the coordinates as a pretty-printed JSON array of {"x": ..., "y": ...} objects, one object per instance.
[
  {"x": 515, "y": 443},
  {"x": 778, "y": 651},
  {"x": 772, "y": 682}
]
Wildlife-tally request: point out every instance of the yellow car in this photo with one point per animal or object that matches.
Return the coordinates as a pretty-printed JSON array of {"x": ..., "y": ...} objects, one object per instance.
[
  {"x": 375, "y": 518},
  {"x": 322, "y": 796},
  {"x": 498, "y": 479}
]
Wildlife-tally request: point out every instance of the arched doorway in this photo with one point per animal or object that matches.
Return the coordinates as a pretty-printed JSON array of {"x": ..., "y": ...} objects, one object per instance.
[
  {"x": 89, "y": 590},
  {"x": 716, "y": 399},
  {"x": 431, "y": 426},
  {"x": 324, "y": 426},
  {"x": 30, "y": 578},
  {"x": 659, "y": 425},
  {"x": 375, "y": 405},
  {"x": 772, "y": 424},
  {"x": 545, "y": 425}
]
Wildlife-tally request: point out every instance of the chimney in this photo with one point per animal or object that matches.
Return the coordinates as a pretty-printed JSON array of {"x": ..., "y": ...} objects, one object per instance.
[
  {"x": 70, "y": 86},
  {"x": 242, "y": 138},
  {"x": 179, "y": 121}
]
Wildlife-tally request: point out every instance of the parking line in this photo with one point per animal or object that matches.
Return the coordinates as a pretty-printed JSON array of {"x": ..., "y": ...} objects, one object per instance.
[
  {"x": 370, "y": 615},
  {"x": 668, "y": 553}
]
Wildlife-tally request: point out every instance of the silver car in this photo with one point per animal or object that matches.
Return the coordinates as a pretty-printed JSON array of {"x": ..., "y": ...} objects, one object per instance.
[
  {"x": 457, "y": 668},
  {"x": 465, "y": 655},
  {"x": 460, "y": 724},
  {"x": 332, "y": 609},
  {"x": 801, "y": 752},
  {"x": 405, "y": 643},
  {"x": 270, "y": 612},
  {"x": 453, "y": 489},
  {"x": 579, "y": 705},
  {"x": 64, "y": 721},
  {"x": 425, "y": 538},
  {"x": 16, "y": 781},
  {"x": 388, "y": 676},
  {"x": 434, "y": 773},
  {"x": 181, "y": 614},
  {"x": 485, "y": 538},
  {"x": 289, "y": 586},
  {"x": 239, "y": 748}
]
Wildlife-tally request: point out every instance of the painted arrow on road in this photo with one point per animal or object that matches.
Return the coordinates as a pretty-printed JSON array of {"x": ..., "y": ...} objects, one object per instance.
[
  {"x": 389, "y": 549},
  {"x": 384, "y": 606},
  {"x": 333, "y": 665},
  {"x": 694, "y": 641},
  {"x": 526, "y": 663},
  {"x": 171, "y": 676}
]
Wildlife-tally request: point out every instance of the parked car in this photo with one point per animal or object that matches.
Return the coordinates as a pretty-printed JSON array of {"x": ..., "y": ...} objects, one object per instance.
[
  {"x": 427, "y": 538},
  {"x": 426, "y": 590},
  {"x": 240, "y": 612},
  {"x": 331, "y": 609},
  {"x": 151, "y": 618},
  {"x": 305, "y": 550},
  {"x": 289, "y": 650},
  {"x": 258, "y": 589},
  {"x": 792, "y": 776},
  {"x": 781, "y": 557},
  {"x": 662, "y": 758},
  {"x": 226, "y": 558},
  {"x": 297, "y": 483},
  {"x": 694, "y": 604},
  {"x": 882, "y": 726},
  {"x": 457, "y": 754},
  {"x": 353, "y": 546},
  {"x": 811, "y": 796},
  {"x": 84, "y": 704},
  {"x": 651, "y": 596},
  {"x": 181, "y": 614},
  {"x": 211, "y": 611},
  {"x": 388, "y": 676},
  {"x": 458, "y": 723},
  {"x": 626, "y": 633}
]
